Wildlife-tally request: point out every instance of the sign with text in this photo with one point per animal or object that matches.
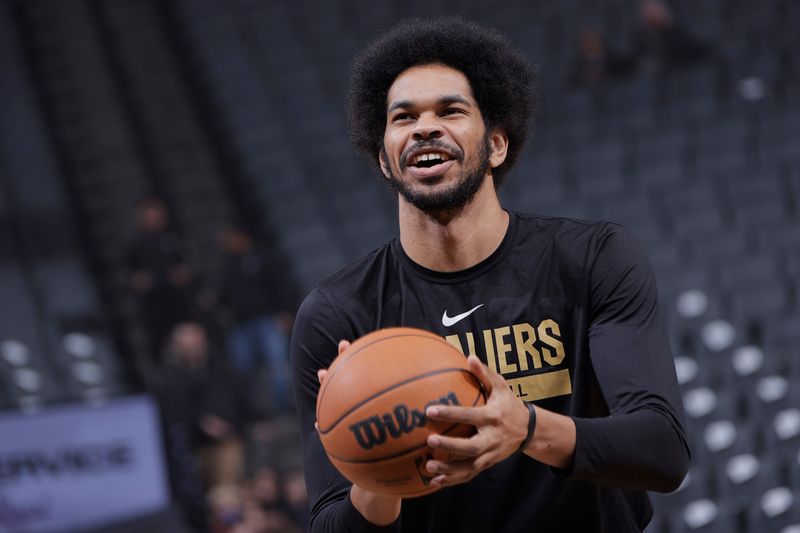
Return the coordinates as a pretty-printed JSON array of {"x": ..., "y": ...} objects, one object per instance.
[{"x": 78, "y": 466}]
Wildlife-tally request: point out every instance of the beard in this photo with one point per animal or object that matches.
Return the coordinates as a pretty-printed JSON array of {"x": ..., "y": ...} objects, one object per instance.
[{"x": 456, "y": 196}]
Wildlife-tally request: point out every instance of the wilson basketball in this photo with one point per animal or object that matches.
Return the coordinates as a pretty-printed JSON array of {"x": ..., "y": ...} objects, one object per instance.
[{"x": 371, "y": 408}]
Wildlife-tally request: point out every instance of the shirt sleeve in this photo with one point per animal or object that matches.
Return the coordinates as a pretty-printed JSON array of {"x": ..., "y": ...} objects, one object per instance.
[
  {"x": 642, "y": 444},
  {"x": 315, "y": 338}
]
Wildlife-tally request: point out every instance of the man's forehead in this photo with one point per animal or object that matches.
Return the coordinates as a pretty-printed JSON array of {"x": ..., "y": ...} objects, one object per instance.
[{"x": 432, "y": 81}]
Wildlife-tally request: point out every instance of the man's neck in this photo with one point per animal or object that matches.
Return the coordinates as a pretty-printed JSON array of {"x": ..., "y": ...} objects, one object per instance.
[{"x": 454, "y": 240}]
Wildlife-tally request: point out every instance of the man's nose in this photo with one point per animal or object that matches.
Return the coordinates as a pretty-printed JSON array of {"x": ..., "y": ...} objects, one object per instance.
[{"x": 426, "y": 128}]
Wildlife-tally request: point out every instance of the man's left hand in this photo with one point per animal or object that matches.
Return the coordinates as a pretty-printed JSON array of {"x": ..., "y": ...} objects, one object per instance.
[{"x": 502, "y": 425}]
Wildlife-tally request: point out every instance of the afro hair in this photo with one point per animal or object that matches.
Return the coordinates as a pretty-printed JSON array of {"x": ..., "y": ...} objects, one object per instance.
[{"x": 502, "y": 80}]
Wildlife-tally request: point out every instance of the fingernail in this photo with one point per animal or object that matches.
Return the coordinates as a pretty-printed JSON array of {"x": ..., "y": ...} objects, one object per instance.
[
  {"x": 438, "y": 480},
  {"x": 433, "y": 441},
  {"x": 433, "y": 411},
  {"x": 432, "y": 467}
]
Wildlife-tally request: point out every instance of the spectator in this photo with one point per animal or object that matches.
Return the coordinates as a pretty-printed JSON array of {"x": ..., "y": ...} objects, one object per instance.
[
  {"x": 266, "y": 488},
  {"x": 270, "y": 496},
  {"x": 661, "y": 44},
  {"x": 254, "y": 508},
  {"x": 256, "y": 293},
  {"x": 227, "y": 508},
  {"x": 199, "y": 394},
  {"x": 157, "y": 272},
  {"x": 296, "y": 497},
  {"x": 595, "y": 63}
]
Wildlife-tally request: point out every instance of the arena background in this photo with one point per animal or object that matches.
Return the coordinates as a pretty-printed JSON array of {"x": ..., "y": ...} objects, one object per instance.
[{"x": 186, "y": 163}]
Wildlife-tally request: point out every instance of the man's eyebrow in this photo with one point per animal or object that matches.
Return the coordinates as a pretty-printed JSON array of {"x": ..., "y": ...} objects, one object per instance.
[
  {"x": 399, "y": 104},
  {"x": 444, "y": 100},
  {"x": 454, "y": 99}
]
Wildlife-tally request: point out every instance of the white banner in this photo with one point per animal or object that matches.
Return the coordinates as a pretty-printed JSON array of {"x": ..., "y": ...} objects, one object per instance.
[{"x": 73, "y": 467}]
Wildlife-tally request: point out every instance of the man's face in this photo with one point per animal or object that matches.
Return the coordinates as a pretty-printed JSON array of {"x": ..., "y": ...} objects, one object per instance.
[
  {"x": 152, "y": 216},
  {"x": 436, "y": 150},
  {"x": 190, "y": 344}
]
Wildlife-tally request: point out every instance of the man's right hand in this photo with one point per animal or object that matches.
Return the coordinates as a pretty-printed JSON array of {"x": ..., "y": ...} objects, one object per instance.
[{"x": 380, "y": 509}]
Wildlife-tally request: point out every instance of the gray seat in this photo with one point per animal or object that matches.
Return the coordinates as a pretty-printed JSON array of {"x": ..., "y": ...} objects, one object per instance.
[
  {"x": 749, "y": 271},
  {"x": 65, "y": 287}
]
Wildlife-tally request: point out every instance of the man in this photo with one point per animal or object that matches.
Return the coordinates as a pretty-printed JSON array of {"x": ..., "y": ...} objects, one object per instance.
[
  {"x": 204, "y": 413},
  {"x": 158, "y": 272},
  {"x": 660, "y": 43},
  {"x": 260, "y": 323},
  {"x": 563, "y": 312}
]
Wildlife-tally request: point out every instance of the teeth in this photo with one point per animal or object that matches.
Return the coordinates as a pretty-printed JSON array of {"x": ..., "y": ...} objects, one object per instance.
[{"x": 431, "y": 156}]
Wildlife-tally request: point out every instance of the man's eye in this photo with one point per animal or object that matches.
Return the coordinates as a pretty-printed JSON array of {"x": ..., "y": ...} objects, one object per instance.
[
  {"x": 401, "y": 116},
  {"x": 451, "y": 111}
]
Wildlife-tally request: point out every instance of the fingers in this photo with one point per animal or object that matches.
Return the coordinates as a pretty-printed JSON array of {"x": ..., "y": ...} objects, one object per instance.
[
  {"x": 343, "y": 345},
  {"x": 454, "y": 472},
  {"x": 480, "y": 372},
  {"x": 473, "y": 416},
  {"x": 458, "y": 446},
  {"x": 455, "y": 448},
  {"x": 488, "y": 378},
  {"x": 323, "y": 372},
  {"x": 458, "y": 460}
]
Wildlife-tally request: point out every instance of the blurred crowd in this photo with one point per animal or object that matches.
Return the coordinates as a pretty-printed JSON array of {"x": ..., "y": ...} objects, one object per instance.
[
  {"x": 658, "y": 44},
  {"x": 219, "y": 367}
]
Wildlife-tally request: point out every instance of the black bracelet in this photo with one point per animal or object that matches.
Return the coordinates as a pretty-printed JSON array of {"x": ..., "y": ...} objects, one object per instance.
[{"x": 531, "y": 427}]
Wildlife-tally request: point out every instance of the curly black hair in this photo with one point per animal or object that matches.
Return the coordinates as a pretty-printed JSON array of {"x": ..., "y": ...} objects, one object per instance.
[{"x": 502, "y": 80}]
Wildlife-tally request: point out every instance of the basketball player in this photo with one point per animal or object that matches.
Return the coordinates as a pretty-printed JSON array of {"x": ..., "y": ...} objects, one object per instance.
[{"x": 559, "y": 317}]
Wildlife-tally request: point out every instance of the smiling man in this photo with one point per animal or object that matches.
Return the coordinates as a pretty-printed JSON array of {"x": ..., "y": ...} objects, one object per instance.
[{"x": 559, "y": 317}]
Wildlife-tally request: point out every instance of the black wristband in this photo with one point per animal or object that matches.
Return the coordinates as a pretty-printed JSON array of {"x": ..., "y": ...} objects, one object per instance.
[{"x": 531, "y": 427}]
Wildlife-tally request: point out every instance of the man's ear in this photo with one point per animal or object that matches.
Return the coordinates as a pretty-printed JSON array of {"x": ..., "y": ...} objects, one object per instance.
[
  {"x": 498, "y": 147},
  {"x": 384, "y": 163}
]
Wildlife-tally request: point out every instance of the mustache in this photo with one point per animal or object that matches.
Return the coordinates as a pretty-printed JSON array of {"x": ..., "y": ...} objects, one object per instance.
[{"x": 432, "y": 143}]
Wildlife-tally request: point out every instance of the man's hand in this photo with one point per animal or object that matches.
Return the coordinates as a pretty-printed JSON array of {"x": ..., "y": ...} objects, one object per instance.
[
  {"x": 380, "y": 509},
  {"x": 502, "y": 425},
  {"x": 322, "y": 373}
]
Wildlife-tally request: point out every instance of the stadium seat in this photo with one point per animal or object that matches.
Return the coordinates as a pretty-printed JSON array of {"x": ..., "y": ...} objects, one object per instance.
[
  {"x": 704, "y": 515},
  {"x": 772, "y": 392},
  {"x": 759, "y": 304},
  {"x": 776, "y": 508},
  {"x": 696, "y": 485},
  {"x": 740, "y": 477},
  {"x": 782, "y": 333},
  {"x": 783, "y": 430}
]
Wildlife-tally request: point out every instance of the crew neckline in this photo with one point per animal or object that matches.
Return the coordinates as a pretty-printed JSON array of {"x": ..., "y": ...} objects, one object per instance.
[{"x": 467, "y": 273}]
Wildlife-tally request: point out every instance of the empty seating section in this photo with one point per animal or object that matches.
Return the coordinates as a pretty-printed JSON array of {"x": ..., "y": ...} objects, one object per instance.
[
  {"x": 175, "y": 144},
  {"x": 245, "y": 95},
  {"x": 47, "y": 287},
  {"x": 103, "y": 102}
]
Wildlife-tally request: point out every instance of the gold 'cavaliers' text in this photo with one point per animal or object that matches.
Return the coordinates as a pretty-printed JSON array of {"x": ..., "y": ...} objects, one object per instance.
[{"x": 531, "y": 359}]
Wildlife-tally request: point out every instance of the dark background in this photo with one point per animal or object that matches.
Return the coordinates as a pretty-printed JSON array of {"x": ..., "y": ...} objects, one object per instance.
[{"x": 231, "y": 113}]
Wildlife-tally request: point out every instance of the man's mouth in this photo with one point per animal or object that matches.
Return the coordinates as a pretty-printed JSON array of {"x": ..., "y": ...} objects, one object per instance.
[{"x": 428, "y": 159}]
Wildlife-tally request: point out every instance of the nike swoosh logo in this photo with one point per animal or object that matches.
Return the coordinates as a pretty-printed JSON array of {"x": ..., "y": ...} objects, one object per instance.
[{"x": 449, "y": 321}]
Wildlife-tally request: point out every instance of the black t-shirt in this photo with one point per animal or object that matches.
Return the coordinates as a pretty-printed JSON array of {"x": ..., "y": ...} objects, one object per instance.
[
  {"x": 155, "y": 252},
  {"x": 567, "y": 311},
  {"x": 250, "y": 286}
]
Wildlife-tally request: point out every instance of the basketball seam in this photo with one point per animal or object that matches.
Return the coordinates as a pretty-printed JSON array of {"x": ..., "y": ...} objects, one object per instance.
[
  {"x": 428, "y": 335},
  {"x": 383, "y": 391},
  {"x": 404, "y": 452}
]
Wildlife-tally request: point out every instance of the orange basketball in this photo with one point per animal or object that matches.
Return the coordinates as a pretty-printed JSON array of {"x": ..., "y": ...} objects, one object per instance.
[{"x": 371, "y": 407}]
